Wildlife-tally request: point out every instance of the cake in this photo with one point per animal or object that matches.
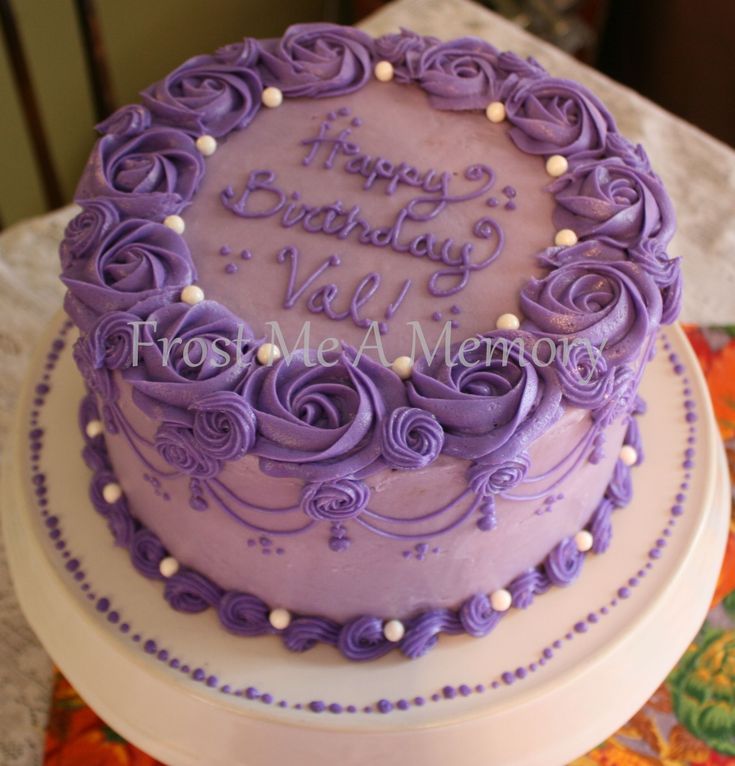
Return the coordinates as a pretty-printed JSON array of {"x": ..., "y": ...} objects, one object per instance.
[{"x": 362, "y": 323}]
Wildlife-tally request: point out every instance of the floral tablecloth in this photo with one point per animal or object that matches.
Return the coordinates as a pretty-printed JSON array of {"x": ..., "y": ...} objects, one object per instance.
[{"x": 689, "y": 721}]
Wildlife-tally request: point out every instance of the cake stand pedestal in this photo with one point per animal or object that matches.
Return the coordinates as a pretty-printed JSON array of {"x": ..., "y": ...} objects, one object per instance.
[{"x": 547, "y": 685}]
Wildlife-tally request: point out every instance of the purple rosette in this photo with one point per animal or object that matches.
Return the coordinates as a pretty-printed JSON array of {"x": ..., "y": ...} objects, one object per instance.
[
  {"x": 477, "y": 615},
  {"x": 150, "y": 175},
  {"x": 527, "y": 585},
  {"x": 588, "y": 250},
  {"x": 553, "y": 116},
  {"x": 460, "y": 74},
  {"x": 525, "y": 68},
  {"x": 337, "y": 500},
  {"x": 137, "y": 260},
  {"x": 403, "y": 50},
  {"x": 146, "y": 553},
  {"x": 631, "y": 154},
  {"x": 615, "y": 303},
  {"x": 304, "y": 633},
  {"x": 224, "y": 425},
  {"x": 85, "y": 232},
  {"x": 612, "y": 201},
  {"x": 587, "y": 379},
  {"x": 495, "y": 398},
  {"x": 362, "y": 639},
  {"x": 98, "y": 378},
  {"x": 129, "y": 120},
  {"x": 665, "y": 272},
  {"x": 317, "y": 60},
  {"x": 186, "y": 353},
  {"x": 564, "y": 562},
  {"x": 411, "y": 439},
  {"x": 619, "y": 397},
  {"x": 321, "y": 422},
  {"x": 244, "y": 614},
  {"x": 190, "y": 592},
  {"x": 241, "y": 54},
  {"x": 178, "y": 447},
  {"x": 110, "y": 340},
  {"x": 205, "y": 96},
  {"x": 487, "y": 478}
]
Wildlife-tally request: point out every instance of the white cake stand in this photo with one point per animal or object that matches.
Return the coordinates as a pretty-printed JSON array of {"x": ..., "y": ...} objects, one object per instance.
[{"x": 553, "y": 710}]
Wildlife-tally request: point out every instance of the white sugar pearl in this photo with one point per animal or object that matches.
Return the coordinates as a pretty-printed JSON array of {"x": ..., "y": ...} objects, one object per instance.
[
  {"x": 583, "y": 541},
  {"x": 500, "y": 600},
  {"x": 192, "y": 294},
  {"x": 508, "y": 322},
  {"x": 269, "y": 353},
  {"x": 280, "y": 618},
  {"x": 384, "y": 71},
  {"x": 403, "y": 367},
  {"x": 565, "y": 238},
  {"x": 394, "y": 631},
  {"x": 175, "y": 223},
  {"x": 272, "y": 97},
  {"x": 495, "y": 111},
  {"x": 628, "y": 455},
  {"x": 557, "y": 165},
  {"x": 206, "y": 145},
  {"x": 94, "y": 428},
  {"x": 168, "y": 566},
  {"x": 112, "y": 492}
]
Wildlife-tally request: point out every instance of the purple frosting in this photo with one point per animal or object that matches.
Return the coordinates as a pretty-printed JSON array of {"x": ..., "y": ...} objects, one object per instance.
[
  {"x": 317, "y": 60},
  {"x": 665, "y": 272},
  {"x": 490, "y": 478},
  {"x": 620, "y": 489},
  {"x": 98, "y": 378},
  {"x": 486, "y": 406},
  {"x": 403, "y": 51},
  {"x": 477, "y": 615},
  {"x": 612, "y": 201},
  {"x": 205, "y": 96},
  {"x": 243, "y": 53},
  {"x": 411, "y": 438},
  {"x": 136, "y": 260},
  {"x": 587, "y": 379},
  {"x": 553, "y": 116},
  {"x": 564, "y": 562},
  {"x": 337, "y": 500},
  {"x": 151, "y": 175},
  {"x": 190, "y": 592},
  {"x": 321, "y": 422},
  {"x": 363, "y": 639},
  {"x": 304, "y": 633},
  {"x": 178, "y": 447},
  {"x": 86, "y": 230},
  {"x": 533, "y": 582},
  {"x": 129, "y": 120},
  {"x": 146, "y": 553},
  {"x": 614, "y": 302},
  {"x": 630, "y": 154},
  {"x": 110, "y": 340},
  {"x": 224, "y": 425},
  {"x": 423, "y": 631},
  {"x": 600, "y": 526},
  {"x": 243, "y": 614}
]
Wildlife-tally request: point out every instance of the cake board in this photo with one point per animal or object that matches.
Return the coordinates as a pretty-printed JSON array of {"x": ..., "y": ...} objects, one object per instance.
[{"x": 548, "y": 684}]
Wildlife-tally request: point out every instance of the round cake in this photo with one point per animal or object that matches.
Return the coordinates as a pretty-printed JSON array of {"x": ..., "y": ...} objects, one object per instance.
[{"x": 362, "y": 323}]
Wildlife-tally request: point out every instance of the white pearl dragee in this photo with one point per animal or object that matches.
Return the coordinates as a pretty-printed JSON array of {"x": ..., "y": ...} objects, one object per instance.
[
  {"x": 500, "y": 600},
  {"x": 495, "y": 111},
  {"x": 565, "y": 238},
  {"x": 279, "y": 618},
  {"x": 583, "y": 540},
  {"x": 206, "y": 145},
  {"x": 384, "y": 71},
  {"x": 557, "y": 165},
  {"x": 175, "y": 223},
  {"x": 508, "y": 322},
  {"x": 628, "y": 455},
  {"x": 268, "y": 353},
  {"x": 112, "y": 492},
  {"x": 94, "y": 428},
  {"x": 394, "y": 631},
  {"x": 402, "y": 366},
  {"x": 168, "y": 567},
  {"x": 192, "y": 294},
  {"x": 272, "y": 97}
]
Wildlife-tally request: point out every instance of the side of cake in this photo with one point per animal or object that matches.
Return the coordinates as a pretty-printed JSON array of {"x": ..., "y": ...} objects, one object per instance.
[{"x": 363, "y": 323}]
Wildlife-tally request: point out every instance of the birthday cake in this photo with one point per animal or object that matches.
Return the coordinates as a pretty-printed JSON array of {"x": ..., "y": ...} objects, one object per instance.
[{"x": 362, "y": 323}]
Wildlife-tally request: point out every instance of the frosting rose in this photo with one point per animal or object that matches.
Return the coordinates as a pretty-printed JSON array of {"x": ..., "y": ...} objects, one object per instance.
[
  {"x": 317, "y": 60},
  {"x": 190, "y": 592},
  {"x": 321, "y": 422},
  {"x": 186, "y": 353},
  {"x": 564, "y": 562},
  {"x": 612, "y": 201},
  {"x": 619, "y": 395},
  {"x": 494, "y": 399},
  {"x": 591, "y": 250},
  {"x": 490, "y": 478},
  {"x": 110, "y": 340},
  {"x": 86, "y": 230},
  {"x": 553, "y": 116},
  {"x": 477, "y": 615},
  {"x": 244, "y": 614},
  {"x": 585, "y": 376},
  {"x": 631, "y": 154},
  {"x": 146, "y": 553},
  {"x": 244, "y": 53},
  {"x": 511, "y": 63},
  {"x": 338, "y": 500},
  {"x": 224, "y": 425},
  {"x": 127, "y": 121},
  {"x": 137, "y": 260},
  {"x": 665, "y": 272},
  {"x": 150, "y": 175},
  {"x": 411, "y": 438},
  {"x": 615, "y": 303},
  {"x": 460, "y": 74},
  {"x": 177, "y": 446},
  {"x": 206, "y": 97},
  {"x": 98, "y": 378},
  {"x": 363, "y": 639},
  {"x": 403, "y": 50}
]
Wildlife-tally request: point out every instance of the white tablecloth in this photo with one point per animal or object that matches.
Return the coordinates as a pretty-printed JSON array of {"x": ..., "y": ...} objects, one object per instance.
[{"x": 699, "y": 173}]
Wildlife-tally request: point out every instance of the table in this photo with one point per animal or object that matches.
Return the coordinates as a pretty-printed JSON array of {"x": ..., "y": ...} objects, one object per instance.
[{"x": 698, "y": 171}]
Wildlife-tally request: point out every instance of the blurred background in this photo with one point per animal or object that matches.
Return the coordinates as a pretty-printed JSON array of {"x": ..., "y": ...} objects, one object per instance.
[{"x": 66, "y": 64}]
